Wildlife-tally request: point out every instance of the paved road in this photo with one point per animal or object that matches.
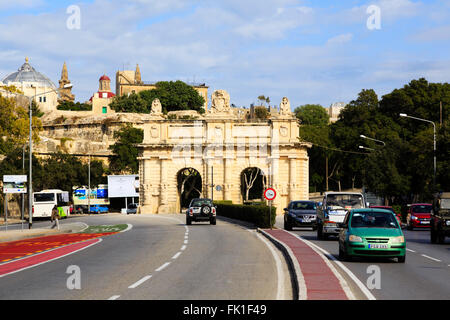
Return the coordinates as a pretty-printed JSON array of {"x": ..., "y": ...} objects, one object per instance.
[
  {"x": 425, "y": 275},
  {"x": 160, "y": 258}
]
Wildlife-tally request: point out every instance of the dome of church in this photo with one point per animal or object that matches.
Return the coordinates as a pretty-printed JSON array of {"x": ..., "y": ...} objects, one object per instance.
[{"x": 27, "y": 73}]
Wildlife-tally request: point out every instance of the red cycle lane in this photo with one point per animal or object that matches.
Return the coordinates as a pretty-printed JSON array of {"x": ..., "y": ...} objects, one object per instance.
[
  {"x": 320, "y": 281},
  {"x": 17, "y": 255}
]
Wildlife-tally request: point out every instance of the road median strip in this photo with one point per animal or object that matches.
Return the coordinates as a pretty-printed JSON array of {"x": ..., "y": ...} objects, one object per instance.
[{"x": 312, "y": 277}]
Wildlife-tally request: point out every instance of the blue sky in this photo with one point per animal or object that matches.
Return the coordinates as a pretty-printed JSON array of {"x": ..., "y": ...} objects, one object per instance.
[{"x": 310, "y": 51}]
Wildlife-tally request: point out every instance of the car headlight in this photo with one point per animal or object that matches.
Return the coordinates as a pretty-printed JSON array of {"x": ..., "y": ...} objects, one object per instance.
[
  {"x": 447, "y": 222},
  {"x": 414, "y": 217},
  {"x": 399, "y": 239},
  {"x": 353, "y": 238}
]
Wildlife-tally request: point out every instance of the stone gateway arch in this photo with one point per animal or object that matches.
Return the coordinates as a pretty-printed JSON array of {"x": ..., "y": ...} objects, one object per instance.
[{"x": 190, "y": 154}]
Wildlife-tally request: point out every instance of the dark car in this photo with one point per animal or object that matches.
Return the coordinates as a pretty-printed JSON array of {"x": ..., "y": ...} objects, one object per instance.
[
  {"x": 201, "y": 210},
  {"x": 440, "y": 218},
  {"x": 300, "y": 214}
]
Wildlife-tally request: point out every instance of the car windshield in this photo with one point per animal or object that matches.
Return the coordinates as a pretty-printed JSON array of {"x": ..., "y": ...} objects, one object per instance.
[
  {"x": 445, "y": 203},
  {"x": 303, "y": 206},
  {"x": 373, "y": 219},
  {"x": 422, "y": 209},
  {"x": 200, "y": 202},
  {"x": 345, "y": 201}
]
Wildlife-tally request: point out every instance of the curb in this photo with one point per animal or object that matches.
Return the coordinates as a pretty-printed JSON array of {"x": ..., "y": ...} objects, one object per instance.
[
  {"x": 298, "y": 282},
  {"x": 25, "y": 234}
]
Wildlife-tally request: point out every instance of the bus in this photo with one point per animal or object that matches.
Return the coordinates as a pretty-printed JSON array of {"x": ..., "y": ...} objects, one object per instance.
[{"x": 45, "y": 200}]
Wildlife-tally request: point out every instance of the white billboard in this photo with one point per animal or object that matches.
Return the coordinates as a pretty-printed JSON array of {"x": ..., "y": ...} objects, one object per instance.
[
  {"x": 14, "y": 184},
  {"x": 122, "y": 186}
]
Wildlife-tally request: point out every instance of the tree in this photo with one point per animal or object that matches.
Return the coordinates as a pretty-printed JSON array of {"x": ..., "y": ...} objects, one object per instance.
[
  {"x": 252, "y": 183},
  {"x": 172, "y": 95},
  {"x": 14, "y": 123},
  {"x": 125, "y": 152},
  {"x": 261, "y": 113},
  {"x": 72, "y": 106},
  {"x": 312, "y": 114}
]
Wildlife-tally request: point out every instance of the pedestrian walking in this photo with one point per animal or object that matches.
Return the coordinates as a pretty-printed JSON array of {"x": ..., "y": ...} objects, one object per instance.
[{"x": 55, "y": 217}]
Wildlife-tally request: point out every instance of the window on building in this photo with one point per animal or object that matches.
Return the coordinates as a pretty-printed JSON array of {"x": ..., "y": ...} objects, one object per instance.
[
  {"x": 104, "y": 95},
  {"x": 44, "y": 99},
  {"x": 104, "y": 110}
]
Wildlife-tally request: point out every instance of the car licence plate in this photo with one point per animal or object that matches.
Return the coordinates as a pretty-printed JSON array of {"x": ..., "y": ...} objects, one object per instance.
[
  {"x": 378, "y": 246},
  {"x": 425, "y": 222}
]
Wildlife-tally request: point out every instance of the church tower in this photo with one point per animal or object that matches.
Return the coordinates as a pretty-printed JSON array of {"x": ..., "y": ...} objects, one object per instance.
[
  {"x": 65, "y": 93},
  {"x": 137, "y": 75}
]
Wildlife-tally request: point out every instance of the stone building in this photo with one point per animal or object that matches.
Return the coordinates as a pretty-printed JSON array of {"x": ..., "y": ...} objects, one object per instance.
[
  {"x": 129, "y": 81},
  {"x": 31, "y": 83},
  {"x": 334, "y": 110},
  {"x": 218, "y": 147},
  {"x": 103, "y": 97}
]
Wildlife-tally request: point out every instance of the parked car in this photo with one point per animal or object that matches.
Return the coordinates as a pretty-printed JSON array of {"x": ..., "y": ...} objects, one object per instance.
[
  {"x": 201, "y": 209},
  {"x": 419, "y": 216},
  {"x": 300, "y": 214},
  {"x": 371, "y": 232},
  {"x": 440, "y": 218},
  {"x": 132, "y": 208},
  {"x": 335, "y": 206},
  {"x": 98, "y": 209},
  {"x": 398, "y": 215}
]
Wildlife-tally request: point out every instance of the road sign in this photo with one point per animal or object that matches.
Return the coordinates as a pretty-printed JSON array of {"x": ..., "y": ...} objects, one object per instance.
[
  {"x": 218, "y": 188},
  {"x": 14, "y": 184},
  {"x": 270, "y": 194}
]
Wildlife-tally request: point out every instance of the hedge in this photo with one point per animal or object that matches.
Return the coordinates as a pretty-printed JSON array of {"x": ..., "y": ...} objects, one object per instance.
[{"x": 259, "y": 215}]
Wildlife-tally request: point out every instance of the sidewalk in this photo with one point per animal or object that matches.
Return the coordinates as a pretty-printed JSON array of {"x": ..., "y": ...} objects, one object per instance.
[
  {"x": 19, "y": 234},
  {"x": 315, "y": 279}
]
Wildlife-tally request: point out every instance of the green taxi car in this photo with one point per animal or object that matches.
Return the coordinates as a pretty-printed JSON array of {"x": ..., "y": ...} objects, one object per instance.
[{"x": 371, "y": 232}]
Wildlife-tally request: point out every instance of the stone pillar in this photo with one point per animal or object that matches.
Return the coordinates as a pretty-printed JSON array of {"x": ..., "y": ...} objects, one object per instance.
[
  {"x": 164, "y": 190},
  {"x": 292, "y": 178},
  {"x": 227, "y": 179}
]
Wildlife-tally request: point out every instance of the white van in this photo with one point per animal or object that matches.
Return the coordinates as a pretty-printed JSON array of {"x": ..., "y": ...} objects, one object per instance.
[{"x": 45, "y": 200}]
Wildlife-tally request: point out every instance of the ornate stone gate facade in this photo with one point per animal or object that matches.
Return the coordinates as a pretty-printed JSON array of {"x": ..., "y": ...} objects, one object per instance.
[{"x": 220, "y": 145}]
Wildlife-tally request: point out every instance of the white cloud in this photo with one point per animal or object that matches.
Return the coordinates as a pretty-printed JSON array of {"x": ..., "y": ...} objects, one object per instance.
[{"x": 340, "y": 39}]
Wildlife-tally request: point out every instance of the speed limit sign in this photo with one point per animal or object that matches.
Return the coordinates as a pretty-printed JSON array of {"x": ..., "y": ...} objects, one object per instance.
[{"x": 270, "y": 194}]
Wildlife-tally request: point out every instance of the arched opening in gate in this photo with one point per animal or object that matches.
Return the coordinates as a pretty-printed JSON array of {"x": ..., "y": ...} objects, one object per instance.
[
  {"x": 253, "y": 184},
  {"x": 189, "y": 184}
]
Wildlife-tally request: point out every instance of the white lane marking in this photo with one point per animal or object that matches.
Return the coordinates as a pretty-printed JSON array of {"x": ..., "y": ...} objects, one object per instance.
[
  {"x": 280, "y": 273},
  {"x": 163, "y": 266},
  {"x": 176, "y": 255},
  {"x": 186, "y": 241},
  {"x": 38, "y": 264},
  {"x": 87, "y": 226},
  {"x": 361, "y": 286},
  {"x": 128, "y": 228},
  {"x": 409, "y": 250},
  {"x": 431, "y": 258},
  {"x": 186, "y": 237},
  {"x": 183, "y": 247},
  {"x": 114, "y": 298},
  {"x": 137, "y": 283}
]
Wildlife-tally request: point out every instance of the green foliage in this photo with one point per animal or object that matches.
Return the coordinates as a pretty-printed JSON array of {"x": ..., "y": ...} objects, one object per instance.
[
  {"x": 172, "y": 95},
  {"x": 72, "y": 106},
  {"x": 312, "y": 114},
  {"x": 59, "y": 171},
  {"x": 258, "y": 214},
  {"x": 14, "y": 123},
  {"x": 261, "y": 113},
  {"x": 125, "y": 152}
]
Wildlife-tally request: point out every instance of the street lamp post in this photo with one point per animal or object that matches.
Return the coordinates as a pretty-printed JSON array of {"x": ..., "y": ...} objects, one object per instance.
[
  {"x": 434, "y": 144},
  {"x": 364, "y": 137}
]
